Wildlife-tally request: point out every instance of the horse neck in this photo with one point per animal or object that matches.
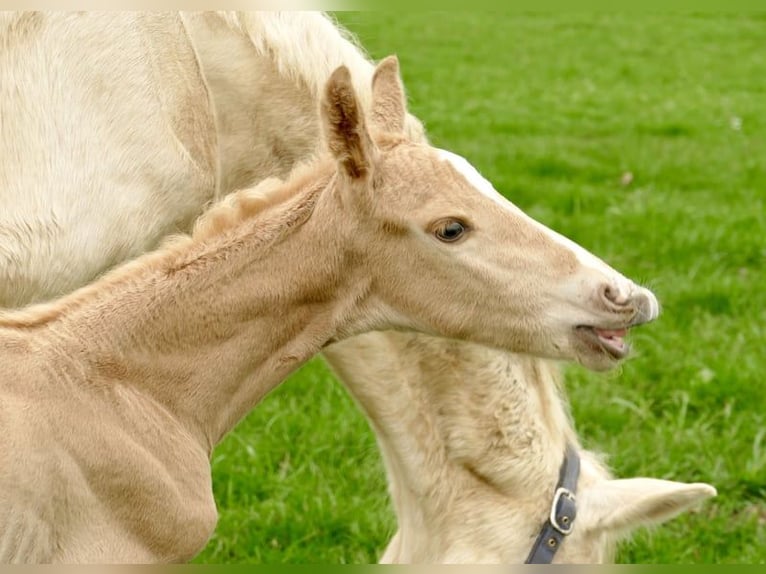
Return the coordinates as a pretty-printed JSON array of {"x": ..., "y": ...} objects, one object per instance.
[
  {"x": 265, "y": 72},
  {"x": 208, "y": 326},
  {"x": 453, "y": 416},
  {"x": 500, "y": 416}
]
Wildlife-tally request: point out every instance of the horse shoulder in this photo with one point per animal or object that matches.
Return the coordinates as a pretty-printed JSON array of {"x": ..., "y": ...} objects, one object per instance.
[
  {"x": 27, "y": 480},
  {"x": 145, "y": 480},
  {"x": 133, "y": 484}
]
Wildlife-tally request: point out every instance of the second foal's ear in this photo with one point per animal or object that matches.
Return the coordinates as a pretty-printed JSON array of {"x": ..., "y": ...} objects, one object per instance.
[
  {"x": 619, "y": 506},
  {"x": 344, "y": 129},
  {"x": 389, "y": 105}
]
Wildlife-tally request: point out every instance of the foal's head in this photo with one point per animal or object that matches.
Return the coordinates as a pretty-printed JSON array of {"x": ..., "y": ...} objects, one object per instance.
[{"x": 449, "y": 255}]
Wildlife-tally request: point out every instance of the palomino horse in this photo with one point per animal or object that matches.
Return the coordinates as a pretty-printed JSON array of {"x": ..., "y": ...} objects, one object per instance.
[
  {"x": 116, "y": 394},
  {"x": 139, "y": 119}
]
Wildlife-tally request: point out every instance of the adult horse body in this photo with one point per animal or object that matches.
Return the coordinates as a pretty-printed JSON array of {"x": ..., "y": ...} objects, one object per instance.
[{"x": 116, "y": 129}]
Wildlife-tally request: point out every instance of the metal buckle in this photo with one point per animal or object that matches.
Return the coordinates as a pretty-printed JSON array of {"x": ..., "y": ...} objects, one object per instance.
[{"x": 561, "y": 491}]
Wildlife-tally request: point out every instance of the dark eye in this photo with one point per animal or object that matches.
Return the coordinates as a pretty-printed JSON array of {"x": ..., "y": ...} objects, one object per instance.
[{"x": 449, "y": 230}]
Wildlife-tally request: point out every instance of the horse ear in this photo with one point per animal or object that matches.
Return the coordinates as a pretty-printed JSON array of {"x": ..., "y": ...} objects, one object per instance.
[
  {"x": 389, "y": 105},
  {"x": 343, "y": 123},
  {"x": 620, "y": 506}
]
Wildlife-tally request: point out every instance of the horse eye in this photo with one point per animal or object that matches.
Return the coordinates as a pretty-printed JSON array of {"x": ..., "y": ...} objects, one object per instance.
[{"x": 450, "y": 230}]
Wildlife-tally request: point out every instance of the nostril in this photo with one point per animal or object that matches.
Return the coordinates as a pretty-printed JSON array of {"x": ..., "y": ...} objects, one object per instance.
[{"x": 613, "y": 295}]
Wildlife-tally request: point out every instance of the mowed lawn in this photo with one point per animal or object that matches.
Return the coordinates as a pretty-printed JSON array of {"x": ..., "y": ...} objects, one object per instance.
[{"x": 643, "y": 138}]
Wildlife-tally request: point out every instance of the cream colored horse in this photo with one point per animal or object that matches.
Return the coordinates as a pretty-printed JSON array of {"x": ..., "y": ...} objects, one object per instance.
[
  {"x": 114, "y": 396},
  {"x": 116, "y": 129},
  {"x": 473, "y": 463}
]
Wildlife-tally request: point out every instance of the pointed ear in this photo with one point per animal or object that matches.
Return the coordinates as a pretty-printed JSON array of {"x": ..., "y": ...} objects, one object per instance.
[
  {"x": 620, "y": 506},
  {"x": 344, "y": 129},
  {"x": 389, "y": 105}
]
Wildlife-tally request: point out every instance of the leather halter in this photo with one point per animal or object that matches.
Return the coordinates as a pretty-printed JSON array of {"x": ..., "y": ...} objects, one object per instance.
[{"x": 563, "y": 512}]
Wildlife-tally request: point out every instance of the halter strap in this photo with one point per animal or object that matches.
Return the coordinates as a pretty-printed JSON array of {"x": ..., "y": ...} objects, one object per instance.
[{"x": 563, "y": 511}]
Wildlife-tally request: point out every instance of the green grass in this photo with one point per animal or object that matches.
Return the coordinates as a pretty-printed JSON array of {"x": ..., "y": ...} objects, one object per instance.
[{"x": 555, "y": 109}]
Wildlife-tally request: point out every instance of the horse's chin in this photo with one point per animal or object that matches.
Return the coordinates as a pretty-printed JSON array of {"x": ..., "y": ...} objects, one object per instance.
[{"x": 599, "y": 349}]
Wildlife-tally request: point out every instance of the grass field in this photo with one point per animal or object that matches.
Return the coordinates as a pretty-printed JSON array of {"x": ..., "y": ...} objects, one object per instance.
[{"x": 556, "y": 110}]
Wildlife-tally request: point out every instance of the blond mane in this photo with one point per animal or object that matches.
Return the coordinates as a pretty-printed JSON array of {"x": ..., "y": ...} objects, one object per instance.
[
  {"x": 303, "y": 45},
  {"x": 244, "y": 204}
]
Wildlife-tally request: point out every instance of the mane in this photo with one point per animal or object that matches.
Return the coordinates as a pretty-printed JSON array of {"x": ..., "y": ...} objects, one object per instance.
[
  {"x": 223, "y": 219},
  {"x": 232, "y": 210},
  {"x": 18, "y": 26},
  {"x": 306, "y": 47}
]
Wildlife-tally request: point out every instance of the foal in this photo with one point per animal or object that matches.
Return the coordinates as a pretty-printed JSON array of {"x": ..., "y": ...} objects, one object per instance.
[
  {"x": 113, "y": 397},
  {"x": 473, "y": 465}
]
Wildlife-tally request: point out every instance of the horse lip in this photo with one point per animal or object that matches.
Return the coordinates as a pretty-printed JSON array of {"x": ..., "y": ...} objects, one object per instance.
[
  {"x": 591, "y": 338},
  {"x": 640, "y": 318}
]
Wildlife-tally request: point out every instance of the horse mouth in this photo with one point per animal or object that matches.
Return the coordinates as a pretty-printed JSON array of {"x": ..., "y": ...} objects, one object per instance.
[{"x": 609, "y": 341}]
